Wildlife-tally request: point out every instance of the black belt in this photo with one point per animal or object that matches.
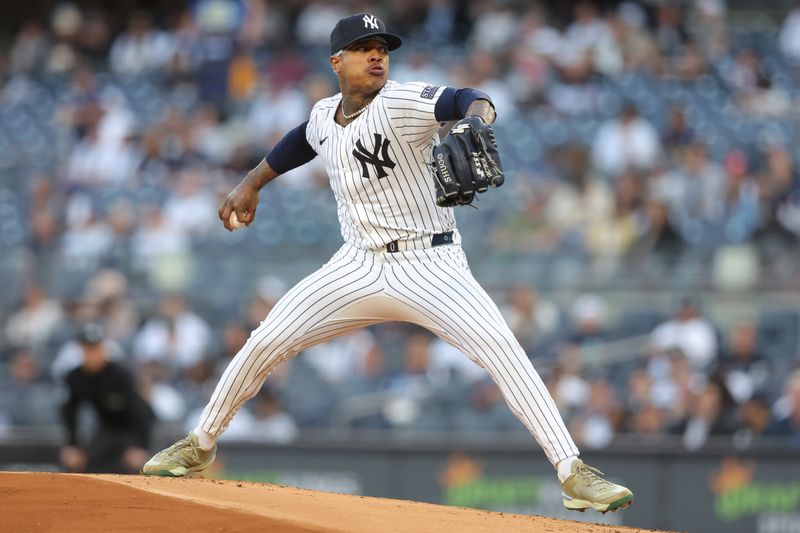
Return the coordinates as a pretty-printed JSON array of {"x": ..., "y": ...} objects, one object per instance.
[{"x": 438, "y": 239}]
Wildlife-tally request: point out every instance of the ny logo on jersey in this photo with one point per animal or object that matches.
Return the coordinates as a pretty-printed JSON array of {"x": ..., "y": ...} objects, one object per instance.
[
  {"x": 370, "y": 21},
  {"x": 372, "y": 158}
]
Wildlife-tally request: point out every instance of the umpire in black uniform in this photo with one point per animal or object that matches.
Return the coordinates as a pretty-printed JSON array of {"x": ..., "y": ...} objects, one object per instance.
[{"x": 124, "y": 419}]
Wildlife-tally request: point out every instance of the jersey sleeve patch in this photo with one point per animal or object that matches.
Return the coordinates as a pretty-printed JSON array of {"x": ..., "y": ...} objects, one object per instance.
[{"x": 429, "y": 92}]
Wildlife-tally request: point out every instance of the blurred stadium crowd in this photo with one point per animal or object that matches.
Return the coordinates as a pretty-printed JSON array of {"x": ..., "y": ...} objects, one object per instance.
[{"x": 650, "y": 145}]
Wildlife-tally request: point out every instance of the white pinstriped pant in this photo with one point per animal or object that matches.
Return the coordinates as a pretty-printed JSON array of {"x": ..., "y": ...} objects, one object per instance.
[{"x": 432, "y": 288}]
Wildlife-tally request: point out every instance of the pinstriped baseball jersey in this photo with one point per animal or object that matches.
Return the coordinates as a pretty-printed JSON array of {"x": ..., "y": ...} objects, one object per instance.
[{"x": 379, "y": 165}]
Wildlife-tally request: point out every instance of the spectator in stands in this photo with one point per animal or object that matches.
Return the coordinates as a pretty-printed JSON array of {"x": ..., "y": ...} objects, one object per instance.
[
  {"x": 276, "y": 108},
  {"x": 33, "y": 324},
  {"x": 577, "y": 200},
  {"x": 526, "y": 229},
  {"x": 744, "y": 370},
  {"x": 705, "y": 418},
  {"x": 26, "y": 394},
  {"x": 141, "y": 49},
  {"x": 673, "y": 389},
  {"x": 107, "y": 290},
  {"x": 45, "y": 208},
  {"x": 752, "y": 87},
  {"x": 531, "y": 68},
  {"x": 677, "y": 131},
  {"x": 639, "y": 390},
  {"x": 98, "y": 162},
  {"x": 656, "y": 239},
  {"x": 696, "y": 193},
  {"x": 121, "y": 219},
  {"x": 779, "y": 184},
  {"x": 496, "y": 24},
  {"x": 191, "y": 206},
  {"x": 176, "y": 336},
  {"x": 414, "y": 380},
  {"x": 30, "y": 48},
  {"x": 740, "y": 214},
  {"x": 636, "y": 43},
  {"x": 483, "y": 74},
  {"x": 648, "y": 421},
  {"x": 439, "y": 25},
  {"x": 417, "y": 396},
  {"x": 123, "y": 418},
  {"x": 211, "y": 137},
  {"x": 583, "y": 34},
  {"x": 596, "y": 424},
  {"x": 626, "y": 142},
  {"x": 671, "y": 34},
  {"x": 708, "y": 27},
  {"x": 767, "y": 99},
  {"x": 156, "y": 241},
  {"x": 589, "y": 315},
  {"x": 66, "y": 22},
  {"x": 609, "y": 239},
  {"x": 689, "y": 332},
  {"x": 81, "y": 109},
  {"x": 94, "y": 37},
  {"x": 88, "y": 238},
  {"x": 315, "y": 21}
]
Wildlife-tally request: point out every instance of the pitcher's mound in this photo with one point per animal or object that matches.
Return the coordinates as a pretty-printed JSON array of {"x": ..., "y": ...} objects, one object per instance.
[{"x": 39, "y": 502}]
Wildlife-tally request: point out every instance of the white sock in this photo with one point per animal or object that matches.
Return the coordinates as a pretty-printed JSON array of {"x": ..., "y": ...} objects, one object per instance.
[
  {"x": 205, "y": 440},
  {"x": 565, "y": 467}
]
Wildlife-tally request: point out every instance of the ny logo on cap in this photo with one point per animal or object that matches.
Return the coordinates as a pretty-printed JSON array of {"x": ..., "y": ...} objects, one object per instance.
[{"x": 370, "y": 22}]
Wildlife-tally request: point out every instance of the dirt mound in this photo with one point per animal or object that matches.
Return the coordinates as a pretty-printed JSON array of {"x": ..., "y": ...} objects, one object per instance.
[{"x": 39, "y": 502}]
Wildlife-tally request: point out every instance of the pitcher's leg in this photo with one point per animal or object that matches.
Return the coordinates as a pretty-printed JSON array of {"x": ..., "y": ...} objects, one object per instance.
[
  {"x": 305, "y": 316},
  {"x": 456, "y": 304}
]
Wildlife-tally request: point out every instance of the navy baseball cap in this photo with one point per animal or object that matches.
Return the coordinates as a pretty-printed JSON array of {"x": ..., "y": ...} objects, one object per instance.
[{"x": 358, "y": 27}]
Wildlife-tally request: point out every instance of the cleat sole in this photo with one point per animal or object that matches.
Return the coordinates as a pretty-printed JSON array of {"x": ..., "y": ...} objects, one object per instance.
[{"x": 581, "y": 505}]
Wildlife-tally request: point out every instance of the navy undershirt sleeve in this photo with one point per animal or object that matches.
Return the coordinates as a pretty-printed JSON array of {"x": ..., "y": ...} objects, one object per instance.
[
  {"x": 453, "y": 103},
  {"x": 292, "y": 151}
]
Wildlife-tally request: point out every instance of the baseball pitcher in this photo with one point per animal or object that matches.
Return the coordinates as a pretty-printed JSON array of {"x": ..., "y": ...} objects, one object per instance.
[{"x": 395, "y": 189}]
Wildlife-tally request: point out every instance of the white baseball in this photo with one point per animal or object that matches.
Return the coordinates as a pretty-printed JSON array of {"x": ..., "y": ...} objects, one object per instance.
[{"x": 234, "y": 221}]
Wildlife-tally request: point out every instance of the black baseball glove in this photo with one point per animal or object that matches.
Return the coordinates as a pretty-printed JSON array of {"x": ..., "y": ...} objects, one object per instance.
[{"x": 466, "y": 162}]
